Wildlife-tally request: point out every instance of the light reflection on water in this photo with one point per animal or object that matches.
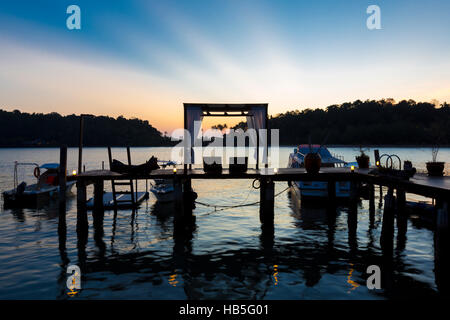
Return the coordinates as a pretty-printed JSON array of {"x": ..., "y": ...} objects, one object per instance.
[{"x": 222, "y": 255}]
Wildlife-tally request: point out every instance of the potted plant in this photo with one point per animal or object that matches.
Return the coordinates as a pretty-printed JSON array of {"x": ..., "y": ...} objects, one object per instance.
[
  {"x": 435, "y": 168},
  {"x": 312, "y": 160},
  {"x": 362, "y": 159}
]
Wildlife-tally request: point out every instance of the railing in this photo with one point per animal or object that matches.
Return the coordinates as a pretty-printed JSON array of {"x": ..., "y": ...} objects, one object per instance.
[{"x": 16, "y": 164}]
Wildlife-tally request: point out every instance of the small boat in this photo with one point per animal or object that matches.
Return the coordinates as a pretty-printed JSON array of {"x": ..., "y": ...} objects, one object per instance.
[
  {"x": 123, "y": 200},
  {"x": 163, "y": 190},
  {"x": 46, "y": 187},
  {"x": 317, "y": 189}
]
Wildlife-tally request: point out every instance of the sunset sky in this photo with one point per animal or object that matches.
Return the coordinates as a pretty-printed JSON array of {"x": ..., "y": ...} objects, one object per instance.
[{"x": 145, "y": 58}]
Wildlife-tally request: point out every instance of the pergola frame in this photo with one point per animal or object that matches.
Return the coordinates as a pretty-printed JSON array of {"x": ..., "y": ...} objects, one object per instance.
[{"x": 228, "y": 110}]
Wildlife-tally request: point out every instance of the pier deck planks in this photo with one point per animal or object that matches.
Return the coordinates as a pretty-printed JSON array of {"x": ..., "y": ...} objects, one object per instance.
[{"x": 420, "y": 184}]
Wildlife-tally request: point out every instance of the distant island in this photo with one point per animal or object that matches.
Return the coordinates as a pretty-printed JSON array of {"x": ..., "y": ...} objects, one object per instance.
[
  {"x": 19, "y": 129},
  {"x": 370, "y": 122}
]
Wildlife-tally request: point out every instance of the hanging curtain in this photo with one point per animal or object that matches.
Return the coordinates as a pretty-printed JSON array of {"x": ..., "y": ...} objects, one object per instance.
[
  {"x": 257, "y": 121},
  {"x": 193, "y": 113}
]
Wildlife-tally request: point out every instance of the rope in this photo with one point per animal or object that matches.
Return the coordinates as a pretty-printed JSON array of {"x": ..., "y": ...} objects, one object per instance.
[{"x": 225, "y": 207}]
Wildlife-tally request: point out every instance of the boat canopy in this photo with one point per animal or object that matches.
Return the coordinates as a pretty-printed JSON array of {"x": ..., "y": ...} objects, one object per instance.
[
  {"x": 326, "y": 156},
  {"x": 50, "y": 166}
]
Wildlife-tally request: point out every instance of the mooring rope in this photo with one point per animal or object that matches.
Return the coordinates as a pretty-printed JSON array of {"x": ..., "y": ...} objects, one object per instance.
[{"x": 225, "y": 207}]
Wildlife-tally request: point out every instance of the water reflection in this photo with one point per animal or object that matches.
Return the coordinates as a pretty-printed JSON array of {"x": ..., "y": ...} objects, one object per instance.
[{"x": 327, "y": 243}]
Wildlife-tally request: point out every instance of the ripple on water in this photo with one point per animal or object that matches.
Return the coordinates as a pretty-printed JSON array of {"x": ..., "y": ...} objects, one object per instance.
[{"x": 224, "y": 255}]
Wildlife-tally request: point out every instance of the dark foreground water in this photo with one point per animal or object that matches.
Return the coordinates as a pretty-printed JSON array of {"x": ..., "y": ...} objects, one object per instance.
[{"x": 310, "y": 254}]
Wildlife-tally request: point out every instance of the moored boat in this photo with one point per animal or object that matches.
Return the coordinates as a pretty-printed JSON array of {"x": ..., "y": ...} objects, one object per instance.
[
  {"x": 163, "y": 190},
  {"x": 46, "y": 187},
  {"x": 317, "y": 189}
]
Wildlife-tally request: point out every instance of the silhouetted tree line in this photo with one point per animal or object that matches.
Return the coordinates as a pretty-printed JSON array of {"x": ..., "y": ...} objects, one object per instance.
[
  {"x": 37, "y": 129},
  {"x": 369, "y": 122}
]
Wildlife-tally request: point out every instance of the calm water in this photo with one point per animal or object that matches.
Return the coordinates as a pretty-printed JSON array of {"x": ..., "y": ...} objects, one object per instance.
[{"x": 224, "y": 255}]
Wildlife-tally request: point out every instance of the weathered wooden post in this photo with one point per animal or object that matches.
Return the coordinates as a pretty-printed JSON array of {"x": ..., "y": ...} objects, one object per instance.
[
  {"x": 82, "y": 220},
  {"x": 387, "y": 229},
  {"x": 376, "y": 153},
  {"x": 380, "y": 204},
  {"x": 184, "y": 220},
  {"x": 331, "y": 186},
  {"x": 442, "y": 207},
  {"x": 371, "y": 198},
  {"x": 62, "y": 228},
  {"x": 352, "y": 224},
  {"x": 353, "y": 191},
  {"x": 62, "y": 175},
  {"x": 80, "y": 145},
  {"x": 178, "y": 194},
  {"x": 98, "y": 194},
  {"x": 187, "y": 195},
  {"x": 267, "y": 201},
  {"x": 402, "y": 218},
  {"x": 441, "y": 246},
  {"x": 98, "y": 211}
]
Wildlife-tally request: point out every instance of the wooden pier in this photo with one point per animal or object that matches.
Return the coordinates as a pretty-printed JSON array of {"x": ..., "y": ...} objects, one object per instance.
[{"x": 437, "y": 188}]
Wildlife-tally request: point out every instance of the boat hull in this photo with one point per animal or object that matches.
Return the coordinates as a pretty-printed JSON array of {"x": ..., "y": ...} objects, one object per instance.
[
  {"x": 164, "y": 197},
  {"x": 124, "y": 201},
  {"x": 32, "y": 197}
]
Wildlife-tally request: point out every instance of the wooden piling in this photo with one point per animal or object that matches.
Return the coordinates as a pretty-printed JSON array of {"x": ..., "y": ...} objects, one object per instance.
[
  {"x": 442, "y": 214},
  {"x": 80, "y": 145},
  {"x": 267, "y": 201},
  {"x": 380, "y": 205},
  {"x": 401, "y": 198},
  {"x": 178, "y": 195},
  {"x": 187, "y": 197},
  {"x": 376, "y": 155},
  {"x": 62, "y": 228},
  {"x": 352, "y": 224},
  {"x": 98, "y": 213},
  {"x": 371, "y": 197},
  {"x": 353, "y": 192},
  {"x": 441, "y": 246},
  {"x": 62, "y": 178},
  {"x": 98, "y": 194},
  {"x": 402, "y": 218},
  {"x": 82, "y": 220},
  {"x": 387, "y": 229},
  {"x": 331, "y": 192}
]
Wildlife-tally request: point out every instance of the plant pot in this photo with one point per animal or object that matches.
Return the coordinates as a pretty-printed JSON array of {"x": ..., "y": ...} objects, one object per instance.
[
  {"x": 212, "y": 164},
  {"x": 435, "y": 169},
  {"x": 363, "y": 161},
  {"x": 238, "y": 164},
  {"x": 312, "y": 162}
]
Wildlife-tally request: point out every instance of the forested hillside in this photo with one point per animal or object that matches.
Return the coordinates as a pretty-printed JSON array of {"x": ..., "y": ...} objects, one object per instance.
[
  {"x": 382, "y": 122},
  {"x": 37, "y": 129}
]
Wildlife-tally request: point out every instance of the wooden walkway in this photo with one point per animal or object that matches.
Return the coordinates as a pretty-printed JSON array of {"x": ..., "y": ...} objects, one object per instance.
[{"x": 420, "y": 184}]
